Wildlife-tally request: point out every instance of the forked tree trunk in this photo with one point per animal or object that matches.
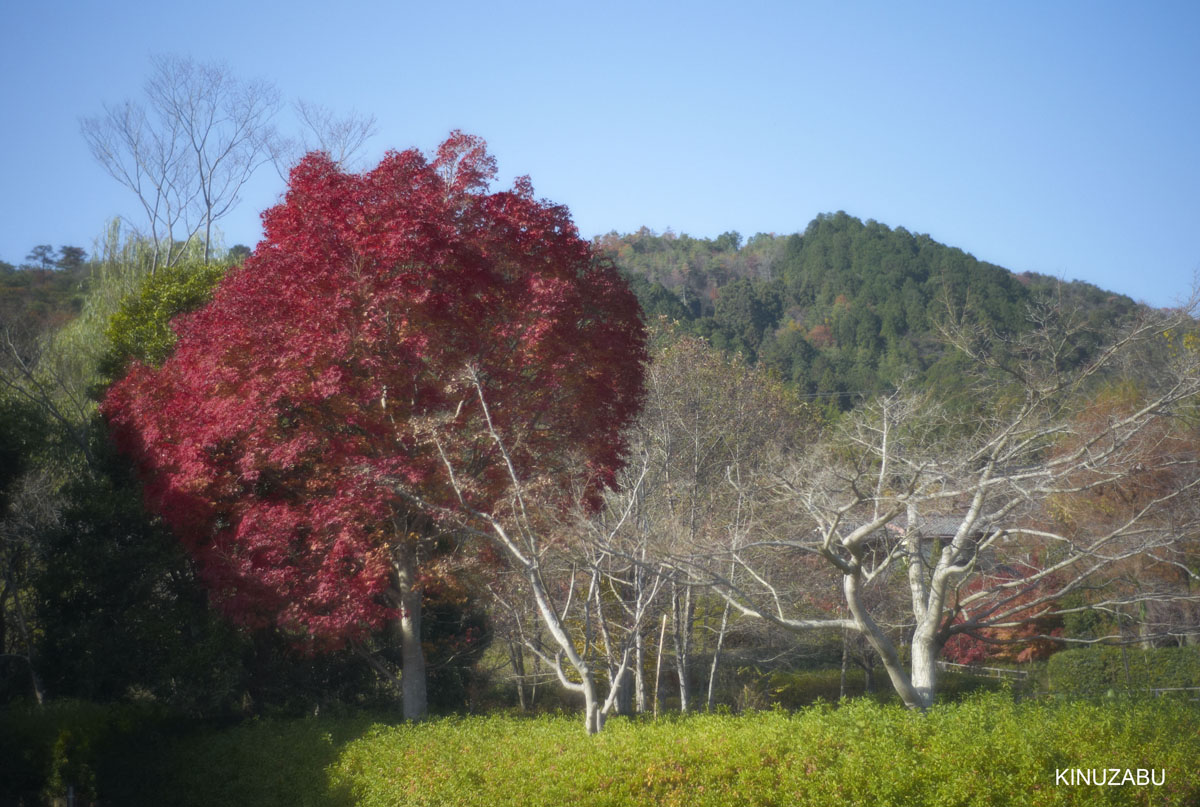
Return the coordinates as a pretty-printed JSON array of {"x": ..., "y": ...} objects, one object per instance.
[
  {"x": 593, "y": 717},
  {"x": 916, "y": 689},
  {"x": 594, "y": 710}
]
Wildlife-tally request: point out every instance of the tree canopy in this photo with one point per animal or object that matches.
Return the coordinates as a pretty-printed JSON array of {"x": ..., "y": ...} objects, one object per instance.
[{"x": 310, "y": 411}]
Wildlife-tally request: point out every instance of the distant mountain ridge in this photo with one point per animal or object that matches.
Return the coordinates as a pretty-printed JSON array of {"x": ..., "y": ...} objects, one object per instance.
[
  {"x": 840, "y": 311},
  {"x": 846, "y": 308}
]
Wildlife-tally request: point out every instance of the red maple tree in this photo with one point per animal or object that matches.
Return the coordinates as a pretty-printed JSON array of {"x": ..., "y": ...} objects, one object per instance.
[{"x": 298, "y": 438}]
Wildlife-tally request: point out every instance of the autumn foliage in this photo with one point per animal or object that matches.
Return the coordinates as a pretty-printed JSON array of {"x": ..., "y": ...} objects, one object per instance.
[
  {"x": 313, "y": 406},
  {"x": 1031, "y": 624}
]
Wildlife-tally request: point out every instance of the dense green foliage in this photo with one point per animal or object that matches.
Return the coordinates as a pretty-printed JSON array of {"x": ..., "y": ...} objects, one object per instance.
[
  {"x": 140, "y": 330},
  {"x": 847, "y": 308},
  {"x": 114, "y": 607},
  {"x": 20, "y": 439},
  {"x": 122, "y": 615},
  {"x": 1096, "y": 670},
  {"x": 984, "y": 751},
  {"x": 119, "y": 607}
]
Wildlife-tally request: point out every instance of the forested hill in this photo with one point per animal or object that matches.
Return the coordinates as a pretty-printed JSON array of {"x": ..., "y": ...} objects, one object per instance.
[
  {"x": 845, "y": 309},
  {"x": 43, "y": 296},
  {"x": 841, "y": 311}
]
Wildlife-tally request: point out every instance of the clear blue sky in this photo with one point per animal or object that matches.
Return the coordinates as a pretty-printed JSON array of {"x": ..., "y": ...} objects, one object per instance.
[{"x": 1061, "y": 138}]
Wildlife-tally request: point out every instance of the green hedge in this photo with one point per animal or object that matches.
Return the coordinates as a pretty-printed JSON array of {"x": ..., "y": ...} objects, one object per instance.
[
  {"x": 1096, "y": 670},
  {"x": 986, "y": 750}
]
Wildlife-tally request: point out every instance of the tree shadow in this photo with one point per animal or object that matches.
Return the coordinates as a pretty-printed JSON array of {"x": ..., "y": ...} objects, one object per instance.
[{"x": 261, "y": 762}]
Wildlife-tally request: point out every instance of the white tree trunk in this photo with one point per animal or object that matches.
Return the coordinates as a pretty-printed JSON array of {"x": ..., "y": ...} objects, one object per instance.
[
  {"x": 639, "y": 672},
  {"x": 712, "y": 671},
  {"x": 900, "y": 678},
  {"x": 923, "y": 678},
  {"x": 684, "y": 611},
  {"x": 593, "y": 715}
]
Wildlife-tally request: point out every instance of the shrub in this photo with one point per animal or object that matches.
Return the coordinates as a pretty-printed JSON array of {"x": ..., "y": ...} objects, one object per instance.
[
  {"x": 986, "y": 750},
  {"x": 1096, "y": 670}
]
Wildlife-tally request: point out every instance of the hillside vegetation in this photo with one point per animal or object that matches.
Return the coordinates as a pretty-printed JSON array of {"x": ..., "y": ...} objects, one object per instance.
[{"x": 847, "y": 308}]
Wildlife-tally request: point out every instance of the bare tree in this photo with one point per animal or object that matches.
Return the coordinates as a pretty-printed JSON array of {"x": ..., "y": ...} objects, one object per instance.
[
  {"x": 956, "y": 509},
  {"x": 39, "y": 369},
  {"x": 341, "y": 137},
  {"x": 566, "y": 582},
  {"x": 622, "y": 545},
  {"x": 706, "y": 427},
  {"x": 186, "y": 154}
]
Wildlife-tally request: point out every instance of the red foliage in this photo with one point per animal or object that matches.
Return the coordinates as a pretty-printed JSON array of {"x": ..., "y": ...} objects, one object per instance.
[
  {"x": 1021, "y": 642},
  {"x": 296, "y": 418}
]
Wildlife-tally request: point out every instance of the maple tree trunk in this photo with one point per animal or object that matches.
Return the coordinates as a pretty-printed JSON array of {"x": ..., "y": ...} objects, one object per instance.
[{"x": 412, "y": 680}]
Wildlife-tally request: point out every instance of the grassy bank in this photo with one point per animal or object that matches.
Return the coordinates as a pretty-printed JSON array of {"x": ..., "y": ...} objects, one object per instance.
[{"x": 983, "y": 751}]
